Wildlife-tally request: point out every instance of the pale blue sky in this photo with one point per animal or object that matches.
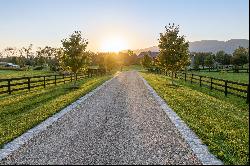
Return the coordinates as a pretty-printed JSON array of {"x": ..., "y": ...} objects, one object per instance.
[{"x": 137, "y": 22}]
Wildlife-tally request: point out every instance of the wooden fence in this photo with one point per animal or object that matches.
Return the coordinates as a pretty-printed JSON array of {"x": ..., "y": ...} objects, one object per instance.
[
  {"x": 27, "y": 83},
  {"x": 225, "y": 86},
  {"x": 231, "y": 70}
]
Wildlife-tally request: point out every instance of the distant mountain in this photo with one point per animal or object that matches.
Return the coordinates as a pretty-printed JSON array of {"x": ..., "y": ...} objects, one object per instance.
[
  {"x": 152, "y": 49},
  {"x": 215, "y": 45},
  {"x": 207, "y": 46}
]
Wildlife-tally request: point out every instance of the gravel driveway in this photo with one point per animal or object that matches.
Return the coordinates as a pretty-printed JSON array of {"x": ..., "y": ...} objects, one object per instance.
[{"x": 120, "y": 124}]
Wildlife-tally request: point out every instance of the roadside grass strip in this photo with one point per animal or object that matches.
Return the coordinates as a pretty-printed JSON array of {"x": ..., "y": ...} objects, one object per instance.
[
  {"x": 20, "y": 112},
  {"x": 220, "y": 123}
]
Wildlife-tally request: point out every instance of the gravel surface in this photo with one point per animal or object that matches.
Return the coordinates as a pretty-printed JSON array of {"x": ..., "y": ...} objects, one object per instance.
[{"x": 120, "y": 124}]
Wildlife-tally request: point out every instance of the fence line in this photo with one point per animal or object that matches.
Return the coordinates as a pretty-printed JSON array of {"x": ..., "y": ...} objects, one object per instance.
[
  {"x": 10, "y": 85},
  {"x": 233, "y": 70},
  {"x": 226, "y": 86}
]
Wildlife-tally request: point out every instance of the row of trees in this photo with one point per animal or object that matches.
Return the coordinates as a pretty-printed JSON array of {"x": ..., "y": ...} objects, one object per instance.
[
  {"x": 72, "y": 56},
  {"x": 239, "y": 57},
  {"x": 174, "y": 54},
  {"x": 26, "y": 56}
]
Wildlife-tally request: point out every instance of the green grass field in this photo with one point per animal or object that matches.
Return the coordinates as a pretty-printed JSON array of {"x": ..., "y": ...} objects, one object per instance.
[
  {"x": 22, "y": 111},
  {"x": 238, "y": 77},
  {"x": 222, "y": 123},
  {"x": 13, "y": 73}
]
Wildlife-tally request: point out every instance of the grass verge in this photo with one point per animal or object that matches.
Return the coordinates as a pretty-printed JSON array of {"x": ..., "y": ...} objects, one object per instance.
[
  {"x": 223, "y": 125},
  {"x": 21, "y": 112}
]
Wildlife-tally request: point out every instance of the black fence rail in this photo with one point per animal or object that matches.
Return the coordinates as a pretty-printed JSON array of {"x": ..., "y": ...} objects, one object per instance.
[
  {"x": 10, "y": 85},
  {"x": 232, "y": 70},
  {"x": 225, "y": 86}
]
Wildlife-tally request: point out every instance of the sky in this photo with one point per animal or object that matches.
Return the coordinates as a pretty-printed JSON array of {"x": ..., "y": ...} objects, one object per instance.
[{"x": 132, "y": 23}]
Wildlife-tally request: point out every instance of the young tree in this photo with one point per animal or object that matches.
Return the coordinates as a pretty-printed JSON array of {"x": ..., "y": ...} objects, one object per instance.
[
  {"x": 174, "y": 53},
  {"x": 146, "y": 61},
  {"x": 73, "y": 56}
]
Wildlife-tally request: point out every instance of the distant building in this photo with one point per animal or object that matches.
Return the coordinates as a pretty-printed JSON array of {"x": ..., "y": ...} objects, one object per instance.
[
  {"x": 11, "y": 65},
  {"x": 3, "y": 64}
]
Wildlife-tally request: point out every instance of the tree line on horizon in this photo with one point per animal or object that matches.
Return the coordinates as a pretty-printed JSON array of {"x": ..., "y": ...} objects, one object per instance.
[
  {"x": 173, "y": 55},
  {"x": 72, "y": 56},
  {"x": 238, "y": 58}
]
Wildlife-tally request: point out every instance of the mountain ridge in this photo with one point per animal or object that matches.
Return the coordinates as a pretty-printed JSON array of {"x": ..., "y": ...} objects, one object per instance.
[{"x": 207, "y": 46}]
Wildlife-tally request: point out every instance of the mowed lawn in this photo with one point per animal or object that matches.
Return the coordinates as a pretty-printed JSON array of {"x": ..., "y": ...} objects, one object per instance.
[
  {"x": 23, "y": 111},
  {"x": 222, "y": 124},
  {"x": 238, "y": 77},
  {"x": 14, "y": 73}
]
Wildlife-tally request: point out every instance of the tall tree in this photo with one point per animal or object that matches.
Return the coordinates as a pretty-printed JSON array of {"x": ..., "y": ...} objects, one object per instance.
[
  {"x": 74, "y": 56},
  {"x": 174, "y": 53}
]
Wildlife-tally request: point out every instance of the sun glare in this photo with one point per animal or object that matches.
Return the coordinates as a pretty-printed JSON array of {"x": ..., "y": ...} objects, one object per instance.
[{"x": 113, "y": 45}]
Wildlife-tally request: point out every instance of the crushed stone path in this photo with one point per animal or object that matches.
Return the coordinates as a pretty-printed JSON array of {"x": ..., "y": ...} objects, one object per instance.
[{"x": 120, "y": 124}]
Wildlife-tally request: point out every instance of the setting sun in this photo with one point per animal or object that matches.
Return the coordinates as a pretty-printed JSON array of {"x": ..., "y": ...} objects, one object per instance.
[{"x": 113, "y": 45}]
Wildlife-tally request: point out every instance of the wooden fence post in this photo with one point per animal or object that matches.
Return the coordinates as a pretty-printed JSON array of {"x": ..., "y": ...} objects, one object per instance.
[
  {"x": 71, "y": 77},
  {"x": 192, "y": 78},
  {"x": 29, "y": 83},
  {"x": 211, "y": 87},
  {"x": 200, "y": 80},
  {"x": 9, "y": 90},
  {"x": 55, "y": 79},
  {"x": 225, "y": 87},
  {"x": 44, "y": 83},
  {"x": 248, "y": 93}
]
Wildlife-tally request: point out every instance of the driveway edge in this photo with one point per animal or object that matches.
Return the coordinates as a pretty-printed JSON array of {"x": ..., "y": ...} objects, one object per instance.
[
  {"x": 25, "y": 137},
  {"x": 199, "y": 149}
]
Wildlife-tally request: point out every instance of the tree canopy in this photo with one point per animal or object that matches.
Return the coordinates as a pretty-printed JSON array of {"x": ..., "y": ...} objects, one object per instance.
[
  {"x": 73, "y": 56},
  {"x": 174, "y": 52}
]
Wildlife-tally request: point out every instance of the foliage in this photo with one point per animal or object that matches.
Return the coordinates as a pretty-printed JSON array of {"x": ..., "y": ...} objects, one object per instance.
[
  {"x": 146, "y": 61},
  {"x": 240, "y": 56},
  {"x": 73, "y": 56},
  {"x": 174, "y": 53},
  {"x": 196, "y": 63},
  {"x": 109, "y": 61},
  {"x": 222, "y": 124},
  {"x": 223, "y": 58},
  {"x": 200, "y": 57},
  {"x": 209, "y": 61}
]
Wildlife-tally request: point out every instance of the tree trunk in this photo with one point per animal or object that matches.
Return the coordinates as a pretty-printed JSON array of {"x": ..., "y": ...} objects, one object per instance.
[
  {"x": 172, "y": 78},
  {"x": 74, "y": 84}
]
